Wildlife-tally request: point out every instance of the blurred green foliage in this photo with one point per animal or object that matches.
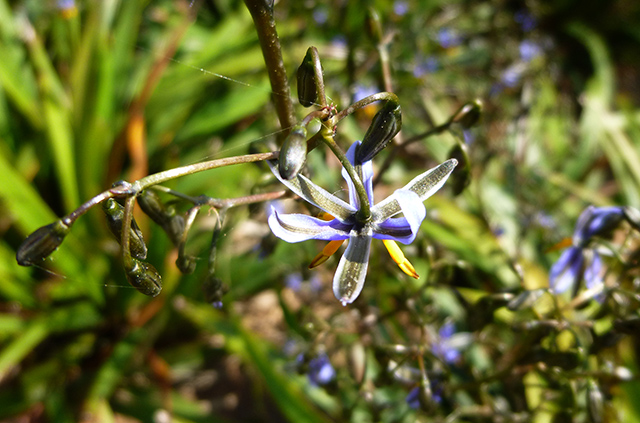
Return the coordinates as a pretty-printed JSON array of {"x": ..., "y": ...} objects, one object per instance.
[{"x": 96, "y": 91}]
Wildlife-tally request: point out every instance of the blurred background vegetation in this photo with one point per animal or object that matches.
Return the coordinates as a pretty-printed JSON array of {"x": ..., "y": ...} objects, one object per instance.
[{"x": 96, "y": 91}]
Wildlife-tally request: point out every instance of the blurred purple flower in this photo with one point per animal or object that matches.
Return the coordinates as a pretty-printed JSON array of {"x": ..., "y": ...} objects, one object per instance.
[
  {"x": 293, "y": 281},
  {"x": 444, "y": 348},
  {"x": 448, "y": 37},
  {"x": 428, "y": 65},
  {"x": 413, "y": 398},
  {"x": 400, "y": 8},
  {"x": 65, "y": 4},
  {"x": 320, "y": 15},
  {"x": 362, "y": 91},
  {"x": 526, "y": 20},
  {"x": 529, "y": 50},
  {"x": 512, "y": 75},
  {"x": 321, "y": 372},
  {"x": 352, "y": 270},
  {"x": 578, "y": 261}
]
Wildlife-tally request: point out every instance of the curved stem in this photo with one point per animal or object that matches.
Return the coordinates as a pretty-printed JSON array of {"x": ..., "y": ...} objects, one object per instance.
[
  {"x": 365, "y": 102},
  {"x": 364, "y": 213}
]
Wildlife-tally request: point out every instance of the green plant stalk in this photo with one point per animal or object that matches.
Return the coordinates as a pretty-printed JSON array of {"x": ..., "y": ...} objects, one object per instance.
[
  {"x": 364, "y": 213},
  {"x": 262, "y": 14}
]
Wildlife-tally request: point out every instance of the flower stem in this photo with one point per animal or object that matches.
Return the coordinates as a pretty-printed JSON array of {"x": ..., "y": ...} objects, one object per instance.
[
  {"x": 262, "y": 14},
  {"x": 364, "y": 213}
]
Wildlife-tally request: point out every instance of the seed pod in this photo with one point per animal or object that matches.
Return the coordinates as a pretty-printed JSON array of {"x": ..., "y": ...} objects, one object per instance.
[
  {"x": 41, "y": 243},
  {"x": 144, "y": 277},
  {"x": 385, "y": 125},
  {"x": 293, "y": 153},
  {"x": 115, "y": 218},
  {"x": 468, "y": 115},
  {"x": 461, "y": 176},
  {"x": 306, "y": 81}
]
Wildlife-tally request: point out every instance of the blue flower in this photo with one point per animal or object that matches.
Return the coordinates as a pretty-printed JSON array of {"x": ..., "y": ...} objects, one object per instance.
[
  {"x": 400, "y": 8},
  {"x": 449, "y": 343},
  {"x": 352, "y": 269},
  {"x": 413, "y": 398},
  {"x": 448, "y": 37},
  {"x": 579, "y": 261},
  {"x": 321, "y": 372},
  {"x": 429, "y": 65},
  {"x": 529, "y": 50}
]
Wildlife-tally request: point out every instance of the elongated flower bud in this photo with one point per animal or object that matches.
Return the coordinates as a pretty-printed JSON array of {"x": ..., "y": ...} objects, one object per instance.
[
  {"x": 293, "y": 153},
  {"x": 165, "y": 216},
  {"x": 468, "y": 115},
  {"x": 214, "y": 290},
  {"x": 306, "y": 81},
  {"x": 461, "y": 176},
  {"x": 41, "y": 243},
  {"x": 115, "y": 219},
  {"x": 385, "y": 125},
  {"x": 144, "y": 277}
]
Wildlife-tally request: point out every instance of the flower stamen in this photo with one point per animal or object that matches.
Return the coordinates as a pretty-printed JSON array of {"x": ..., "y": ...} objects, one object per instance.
[
  {"x": 329, "y": 250},
  {"x": 398, "y": 256}
]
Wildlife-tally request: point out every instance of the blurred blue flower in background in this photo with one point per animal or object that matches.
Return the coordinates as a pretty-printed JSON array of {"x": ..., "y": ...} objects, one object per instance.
[
  {"x": 448, "y": 38},
  {"x": 293, "y": 281},
  {"x": 428, "y": 65},
  {"x": 526, "y": 20},
  {"x": 400, "y": 8},
  {"x": 449, "y": 344},
  {"x": 321, "y": 372},
  {"x": 578, "y": 261},
  {"x": 529, "y": 50}
]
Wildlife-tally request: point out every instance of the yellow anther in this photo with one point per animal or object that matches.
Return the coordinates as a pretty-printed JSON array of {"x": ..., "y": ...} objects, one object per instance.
[
  {"x": 396, "y": 254},
  {"x": 325, "y": 216},
  {"x": 328, "y": 250}
]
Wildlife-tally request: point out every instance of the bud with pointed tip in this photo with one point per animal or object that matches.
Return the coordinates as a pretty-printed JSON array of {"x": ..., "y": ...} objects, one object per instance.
[
  {"x": 41, "y": 243},
  {"x": 385, "y": 125},
  {"x": 172, "y": 223},
  {"x": 214, "y": 290},
  {"x": 293, "y": 153},
  {"x": 468, "y": 115},
  {"x": 461, "y": 176},
  {"x": 115, "y": 219},
  {"x": 144, "y": 277},
  {"x": 595, "y": 402},
  {"x": 306, "y": 81}
]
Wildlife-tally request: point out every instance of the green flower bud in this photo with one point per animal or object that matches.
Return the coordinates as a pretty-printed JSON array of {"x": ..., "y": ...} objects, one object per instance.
[
  {"x": 41, "y": 243},
  {"x": 185, "y": 263},
  {"x": 214, "y": 290},
  {"x": 293, "y": 153},
  {"x": 150, "y": 203},
  {"x": 115, "y": 219},
  {"x": 306, "y": 81},
  {"x": 468, "y": 115},
  {"x": 144, "y": 277},
  {"x": 385, "y": 125},
  {"x": 461, "y": 176}
]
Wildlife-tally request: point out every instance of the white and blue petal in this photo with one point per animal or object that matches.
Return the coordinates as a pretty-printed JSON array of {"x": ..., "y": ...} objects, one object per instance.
[
  {"x": 316, "y": 195},
  {"x": 300, "y": 227},
  {"x": 566, "y": 272},
  {"x": 352, "y": 269},
  {"x": 403, "y": 229},
  {"x": 366, "y": 175},
  {"x": 424, "y": 185}
]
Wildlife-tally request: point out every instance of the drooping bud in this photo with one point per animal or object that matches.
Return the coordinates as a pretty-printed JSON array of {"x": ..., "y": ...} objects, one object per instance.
[
  {"x": 468, "y": 115},
  {"x": 293, "y": 153},
  {"x": 185, "y": 263},
  {"x": 214, "y": 290},
  {"x": 385, "y": 125},
  {"x": 115, "y": 219},
  {"x": 144, "y": 277},
  {"x": 461, "y": 176},
  {"x": 306, "y": 80},
  {"x": 165, "y": 216},
  {"x": 41, "y": 243}
]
